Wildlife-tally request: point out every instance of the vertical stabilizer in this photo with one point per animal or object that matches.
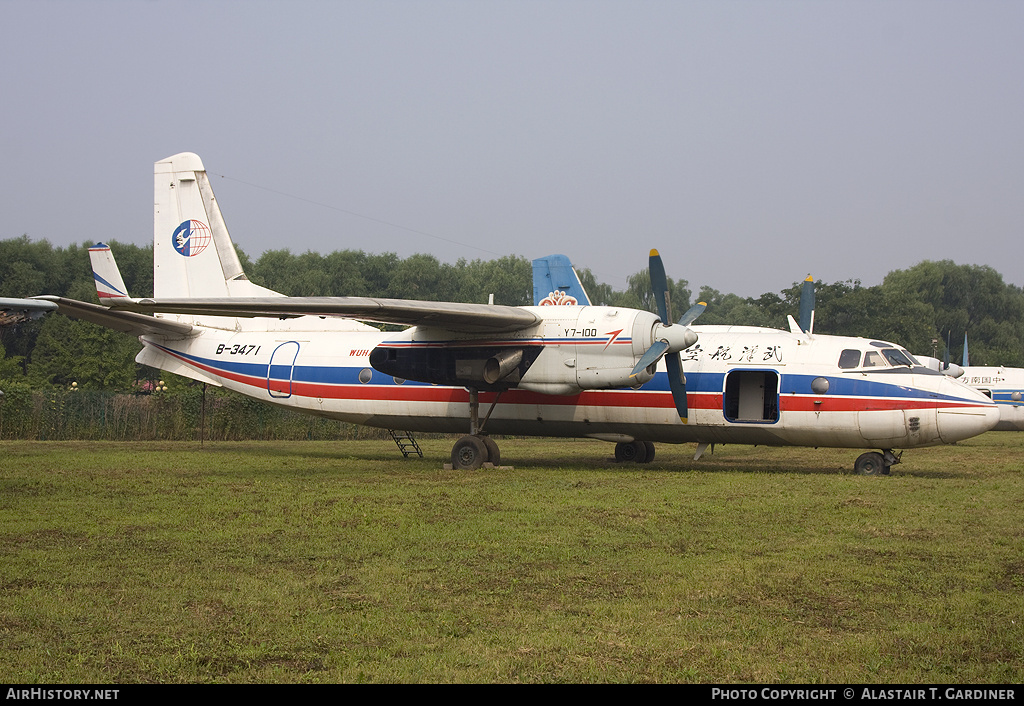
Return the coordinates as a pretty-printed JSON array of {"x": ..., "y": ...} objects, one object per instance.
[
  {"x": 193, "y": 255},
  {"x": 109, "y": 283},
  {"x": 556, "y": 282}
]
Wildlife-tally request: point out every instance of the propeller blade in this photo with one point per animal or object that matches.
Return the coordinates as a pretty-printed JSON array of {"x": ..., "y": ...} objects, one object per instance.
[
  {"x": 807, "y": 305},
  {"x": 672, "y": 337},
  {"x": 651, "y": 356},
  {"x": 677, "y": 383},
  {"x": 659, "y": 287},
  {"x": 692, "y": 313}
]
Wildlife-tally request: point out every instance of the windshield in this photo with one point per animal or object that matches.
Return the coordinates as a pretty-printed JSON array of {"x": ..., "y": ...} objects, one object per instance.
[
  {"x": 897, "y": 357},
  {"x": 913, "y": 360}
]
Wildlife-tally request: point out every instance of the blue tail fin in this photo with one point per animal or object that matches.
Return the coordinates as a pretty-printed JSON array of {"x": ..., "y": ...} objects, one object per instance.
[{"x": 556, "y": 282}]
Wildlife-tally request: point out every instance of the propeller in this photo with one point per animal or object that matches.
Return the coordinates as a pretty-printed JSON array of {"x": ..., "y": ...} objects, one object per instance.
[
  {"x": 669, "y": 339},
  {"x": 807, "y": 306}
]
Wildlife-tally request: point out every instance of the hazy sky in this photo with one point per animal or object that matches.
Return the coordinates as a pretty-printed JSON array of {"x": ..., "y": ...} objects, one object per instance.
[{"x": 751, "y": 142}]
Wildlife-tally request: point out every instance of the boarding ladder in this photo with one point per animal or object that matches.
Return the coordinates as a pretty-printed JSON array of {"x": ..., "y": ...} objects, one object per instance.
[{"x": 406, "y": 444}]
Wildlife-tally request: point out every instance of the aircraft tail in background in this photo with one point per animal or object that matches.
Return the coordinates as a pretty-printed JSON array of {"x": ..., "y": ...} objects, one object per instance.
[
  {"x": 109, "y": 283},
  {"x": 555, "y": 282}
]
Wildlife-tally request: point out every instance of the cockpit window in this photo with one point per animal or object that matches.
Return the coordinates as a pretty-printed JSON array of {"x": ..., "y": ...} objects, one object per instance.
[
  {"x": 897, "y": 357},
  {"x": 913, "y": 360},
  {"x": 849, "y": 358},
  {"x": 873, "y": 359}
]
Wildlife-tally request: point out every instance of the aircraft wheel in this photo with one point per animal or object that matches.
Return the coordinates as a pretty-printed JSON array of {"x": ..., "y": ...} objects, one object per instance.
[
  {"x": 635, "y": 451},
  {"x": 870, "y": 464},
  {"x": 649, "y": 456},
  {"x": 493, "y": 455},
  {"x": 469, "y": 453}
]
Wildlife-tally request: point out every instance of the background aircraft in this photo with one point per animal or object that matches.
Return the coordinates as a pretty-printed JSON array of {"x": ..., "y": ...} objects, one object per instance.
[
  {"x": 610, "y": 373},
  {"x": 13, "y": 311},
  {"x": 555, "y": 282},
  {"x": 1005, "y": 386}
]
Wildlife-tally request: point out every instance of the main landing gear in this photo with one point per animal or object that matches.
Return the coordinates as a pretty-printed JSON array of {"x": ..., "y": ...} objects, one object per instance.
[
  {"x": 473, "y": 451},
  {"x": 635, "y": 451},
  {"x": 874, "y": 463}
]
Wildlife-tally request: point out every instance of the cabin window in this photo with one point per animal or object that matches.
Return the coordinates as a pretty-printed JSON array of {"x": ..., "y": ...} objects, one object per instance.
[{"x": 849, "y": 358}]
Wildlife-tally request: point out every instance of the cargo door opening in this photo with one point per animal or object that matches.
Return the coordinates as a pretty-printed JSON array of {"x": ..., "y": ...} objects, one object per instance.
[{"x": 752, "y": 396}]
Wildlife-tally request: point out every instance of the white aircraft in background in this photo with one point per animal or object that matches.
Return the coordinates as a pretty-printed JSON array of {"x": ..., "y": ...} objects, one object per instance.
[
  {"x": 1004, "y": 386},
  {"x": 607, "y": 373}
]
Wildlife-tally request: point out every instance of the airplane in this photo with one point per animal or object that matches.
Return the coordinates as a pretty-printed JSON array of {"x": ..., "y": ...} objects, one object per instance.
[
  {"x": 555, "y": 283},
  {"x": 13, "y": 311},
  {"x": 621, "y": 375},
  {"x": 1003, "y": 385}
]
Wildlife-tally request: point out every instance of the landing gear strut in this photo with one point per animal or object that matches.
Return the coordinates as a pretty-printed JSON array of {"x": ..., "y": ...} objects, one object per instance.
[
  {"x": 874, "y": 463},
  {"x": 635, "y": 451},
  {"x": 473, "y": 451}
]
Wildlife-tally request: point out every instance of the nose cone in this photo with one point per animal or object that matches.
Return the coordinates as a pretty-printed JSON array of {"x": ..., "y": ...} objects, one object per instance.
[
  {"x": 969, "y": 414},
  {"x": 678, "y": 337}
]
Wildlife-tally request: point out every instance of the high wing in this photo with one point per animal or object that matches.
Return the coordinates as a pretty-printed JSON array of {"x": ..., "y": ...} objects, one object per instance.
[
  {"x": 124, "y": 321},
  {"x": 455, "y": 317}
]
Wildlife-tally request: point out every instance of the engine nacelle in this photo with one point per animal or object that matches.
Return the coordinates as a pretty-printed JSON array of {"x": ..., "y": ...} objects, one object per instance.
[
  {"x": 602, "y": 346},
  {"x": 572, "y": 349}
]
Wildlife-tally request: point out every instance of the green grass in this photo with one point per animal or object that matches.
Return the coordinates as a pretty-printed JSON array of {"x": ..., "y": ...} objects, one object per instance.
[{"x": 344, "y": 562}]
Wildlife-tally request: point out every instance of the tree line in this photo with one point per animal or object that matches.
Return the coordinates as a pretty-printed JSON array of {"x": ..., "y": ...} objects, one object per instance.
[{"x": 921, "y": 307}]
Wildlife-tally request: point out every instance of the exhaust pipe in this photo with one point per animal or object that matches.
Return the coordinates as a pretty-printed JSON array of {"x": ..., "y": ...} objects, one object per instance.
[{"x": 501, "y": 365}]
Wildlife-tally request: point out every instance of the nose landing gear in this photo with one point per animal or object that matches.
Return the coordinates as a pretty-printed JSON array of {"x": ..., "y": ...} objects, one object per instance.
[{"x": 874, "y": 463}]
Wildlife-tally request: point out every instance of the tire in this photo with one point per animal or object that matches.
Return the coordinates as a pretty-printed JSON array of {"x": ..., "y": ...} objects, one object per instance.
[
  {"x": 633, "y": 451},
  {"x": 870, "y": 464},
  {"x": 649, "y": 455},
  {"x": 469, "y": 453},
  {"x": 493, "y": 455}
]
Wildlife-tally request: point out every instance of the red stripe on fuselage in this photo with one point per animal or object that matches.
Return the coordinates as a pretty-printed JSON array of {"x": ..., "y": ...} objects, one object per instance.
[{"x": 588, "y": 398}]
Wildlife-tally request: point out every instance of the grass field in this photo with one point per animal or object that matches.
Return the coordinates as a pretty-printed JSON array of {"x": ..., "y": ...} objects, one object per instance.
[{"x": 344, "y": 562}]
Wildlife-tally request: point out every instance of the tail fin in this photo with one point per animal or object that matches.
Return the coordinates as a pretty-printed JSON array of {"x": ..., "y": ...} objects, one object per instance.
[
  {"x": 193, "y": 255},
  {"x": 556, "y": 282},
  {"x": 109, "y": 284}
]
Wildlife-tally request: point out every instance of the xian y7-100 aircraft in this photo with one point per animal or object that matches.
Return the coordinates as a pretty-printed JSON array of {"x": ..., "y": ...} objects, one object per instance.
[{"x": 625, "y": 376}]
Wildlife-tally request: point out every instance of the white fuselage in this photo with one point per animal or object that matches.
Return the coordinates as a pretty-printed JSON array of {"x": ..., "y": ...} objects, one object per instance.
[
  {"x": 744, "y": 385},
  {"x": 1005, "y": 386}
]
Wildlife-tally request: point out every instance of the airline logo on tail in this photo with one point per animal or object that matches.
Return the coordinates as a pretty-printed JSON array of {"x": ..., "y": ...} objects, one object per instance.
[
  {"x": 191, "y": 238},
  {"x": 558, "y": 298}
]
